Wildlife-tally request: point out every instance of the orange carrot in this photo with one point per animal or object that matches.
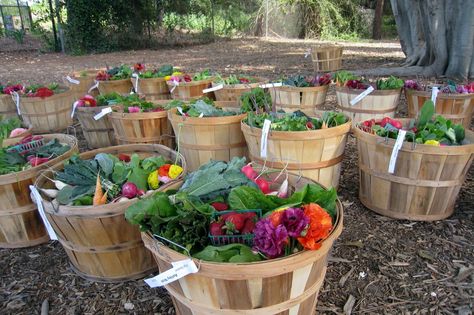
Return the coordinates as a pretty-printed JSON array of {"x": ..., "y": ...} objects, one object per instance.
[{"x": 99, "y": 195}]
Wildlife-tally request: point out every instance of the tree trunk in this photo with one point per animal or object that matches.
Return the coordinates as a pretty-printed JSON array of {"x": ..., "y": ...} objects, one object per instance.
[
  {"x": 437, "y": 37},
  {"x": 159, "y": 13},
  {"x": 377, "y": 31}
]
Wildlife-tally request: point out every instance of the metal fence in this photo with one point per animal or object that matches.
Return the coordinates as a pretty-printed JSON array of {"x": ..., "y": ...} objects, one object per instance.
[{"x": 15, "y": 17}]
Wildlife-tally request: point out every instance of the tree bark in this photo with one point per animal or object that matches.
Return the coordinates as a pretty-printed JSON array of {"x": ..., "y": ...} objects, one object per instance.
[
  {"x": 436, "y": 36},
  {"x": 377, "y": 30}
]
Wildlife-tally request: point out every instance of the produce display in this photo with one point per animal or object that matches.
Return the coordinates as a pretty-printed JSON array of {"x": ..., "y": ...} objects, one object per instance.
[
  {"x": 129, "y": 103},
  {"x": 232, "y": 200},
  {"x": 202, "y": 107},
  {"x": 178, "y": 77},
  {"x": 347, "y": 79},
  {"x": 117, "y": 73},
  {"x": 9, "y": 89},
  {"x": 36, "y": 90},
  {"x": 161, "y": 72},
  {"x": 296, "y": 121},
  {"x": 108, "y": 178},
  {"x": 437, "y": 132},
  {"x": 449, "y": 88},
  {"x": 29, "y": 152},
  {"x": 303, "y": 81},
  {"x": 236, "y": 79},
  {"x": 257, "y": 100}
]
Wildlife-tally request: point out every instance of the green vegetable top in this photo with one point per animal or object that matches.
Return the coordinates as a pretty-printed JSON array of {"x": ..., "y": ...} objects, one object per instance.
[
  {"x": 7, "y": 125},
  {"x": 257, "y": 100},
  {"x": 297, "y": 121},
  {"x": 236, "y": 79},
  {"x": 161, "y": 72},
  {"x": 392, "y": 83},
  {"x": 203, "y": 107},
  {"x": 203, "y": 75}
]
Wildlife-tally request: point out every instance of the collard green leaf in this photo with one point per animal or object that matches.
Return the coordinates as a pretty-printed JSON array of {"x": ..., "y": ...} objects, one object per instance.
[
  {"x": 106, "y": 163},
  {"x": 120, "y": 173},
  {"x": 245, "y": 197},
  {"x": 228, "y": 253},
  {"x": 151, "y": 163},
  {"x": 139, "y": 177},
  {"x": 427, "y": 111}
]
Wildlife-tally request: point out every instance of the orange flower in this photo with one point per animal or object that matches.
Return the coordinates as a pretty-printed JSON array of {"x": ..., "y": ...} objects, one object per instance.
[
  {"x": 275, "y": 217},
  {"x": 164, "y": 169},
  {"x": 320, "y": 224}
]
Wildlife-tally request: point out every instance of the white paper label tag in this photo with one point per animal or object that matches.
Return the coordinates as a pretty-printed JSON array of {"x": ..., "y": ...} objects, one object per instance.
[
  {"x": 307, "y": 53},
  {"x": 201, "y": 115},
  {"x": 270, "y": 85},
  {"x": 180, "y": 110},
  {"x": 396, "y": 148},
  {"x": 359, "y": 97},
  {"x": 434, "y": 94},
  {"x": 16, "y": 99},
  {"x": 175, "y": 84},
  {"x": 95, "y": 86},
  {"x": 38, "y": 201},
  {"x": 103, "y": 112},
  {"x": 73, "y": 81},
  {"x": 180, "y": 269},
  {"x": 264, "y": 140},
  {"x": 214, "y": 88},
  {"x": 136, "y": 76},
  {"x": 74, "y": 106}
]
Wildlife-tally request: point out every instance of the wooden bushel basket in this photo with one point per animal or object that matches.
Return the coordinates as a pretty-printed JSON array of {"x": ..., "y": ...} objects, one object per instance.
[
  {"x": 316, "y": 154},
  {"x": 288, "y": 285},
  {"x": 327, "y": 57},
  {"x": 98, "y": 133},
  {"x": 121, "y": 87},
  {"x": 230, "y": 94},
  {"x": 377, "y": 105},
  {"x": 85, "y": 83},
  {"x": 154, "y": 89},
  {"x": 7, "y": 106},
  {"x": 100, "y": 243},
  {"x": 458, "y": 108},
  {"x": 49, "y": 114},
  {"x": 20, "y": 222},
  {"x": 187, "y": 91},
  {"x": 305, "y": 99},
  {"x": 206, "y": 138},
  {"x": 426, "y": 181},
  {"x": 150, "y": 127}
]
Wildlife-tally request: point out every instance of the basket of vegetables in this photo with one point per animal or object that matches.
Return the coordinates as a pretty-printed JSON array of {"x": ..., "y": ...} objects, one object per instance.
[
  {"x": 46, "y": 108},
  {"x": 85, "y": 200},
  {"x": 428, "y": 173},
  {"x": 306, "y": 94},
  {"x": 327, "y": 57},
  {"x": 20, "y": 163},
  {"x": 98, "y": 133},
  {"x": 81, "y": 81},
  {"x": 115, "y": 80},
  {"x": 204, "y": 132},
  {"x": 276, "y": 242},
  {"x": 7, "y": 105},
  {"x": 11, "y": 128},
  {"x": 381, "y": 102},
  {"x": 136, "y": 120},
  {"x": 454, "y": 101},
  {"x": 152, "y": 83},
  {"x": 312, "y": 147},
  {"x": 233, "y": 87},
  {"x": 186, "y": 87}
]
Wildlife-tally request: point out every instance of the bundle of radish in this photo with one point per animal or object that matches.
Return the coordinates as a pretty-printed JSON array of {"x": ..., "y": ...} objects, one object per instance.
[{"x": 234, "y": 231}]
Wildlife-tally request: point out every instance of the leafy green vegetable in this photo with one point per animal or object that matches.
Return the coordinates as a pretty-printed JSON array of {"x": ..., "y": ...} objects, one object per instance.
[
  {"x": 228, "y": 253},
  {"x": 106, "y": 163},
  {"x": 7, "y": 125},
  {"x": 427, "y": 111},
  {"x": 157, "y": 204},
  {"x": 203, "y": 75},
  {"x": 151, "y": 163},
  {"x": 392, "y": 83},
  {"x": 342, "y": 76},
  {"x": 256, "y": 100},
  {"x": 245, "y": 197},
  {"x": 297, "y": 121},
  {"x": 10, "y": 162},
  {"x": 120, "y": 73}
]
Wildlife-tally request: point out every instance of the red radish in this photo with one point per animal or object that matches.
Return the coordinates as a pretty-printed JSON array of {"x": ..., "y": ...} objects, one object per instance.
[
  {"x": 249, "y": 171},
  {"x": 235, "y": 222},
  {"x": 35, "y": 138},
  {"x": 140, "y": 192},
  {"x": 129, "y": 190},
  {"x": 396, "y": 123},
  {"x": 248, "y": 227},
  {"x": 35, "y": 161},
  {"x": 219, "y": 206},
  {"x": 216, "y": 228},
  {"x": 310, "y": 125},
  {"x": 263, "y": 185},
  {"x": 384, "y": 121},
  {"x": 124, "y": 157}
]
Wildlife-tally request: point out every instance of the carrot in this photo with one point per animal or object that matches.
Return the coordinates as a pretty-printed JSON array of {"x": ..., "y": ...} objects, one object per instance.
[{"x": 99, "y": 197}]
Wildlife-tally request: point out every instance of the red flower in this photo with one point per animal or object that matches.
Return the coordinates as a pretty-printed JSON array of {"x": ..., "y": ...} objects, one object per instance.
[
  {"x": 320, "y": 224},
  {"x": 102, "y": 76},
  {"x": 43, "y": 92},
  {"x": 87, "y": 101},
  {"x": 12, "y": 88},
  {"x": 138, "y": 67},
  {"x": 187, "y": 78}
]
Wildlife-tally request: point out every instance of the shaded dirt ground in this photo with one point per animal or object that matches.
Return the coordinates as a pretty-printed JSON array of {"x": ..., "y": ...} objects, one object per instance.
[{"x": 387, "y": 266}]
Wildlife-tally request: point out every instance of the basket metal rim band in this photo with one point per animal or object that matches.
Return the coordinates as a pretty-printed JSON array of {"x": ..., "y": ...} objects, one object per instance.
[
  {"x": 8, "y": 112},
  {"x": 98, "y": 130},
  {"x": 410, "y": 181},
  {"x": 37, "y": 241},
  {"x": 212, "y": 147},
  {"x": 111, "y": 279},
  {"x": 299, "y": 166},
  {"x": 367, "y": 111},
  {"x": 64, "y": 110},
  {"x": 142, "y": 139},
  {"x": 406, "y": 216},
  {"x": 272, "y": 309},
  {"x": 100, "y": 249},
  {"x": 19, "y": 210},
  {"x": 325, "y": 60}
]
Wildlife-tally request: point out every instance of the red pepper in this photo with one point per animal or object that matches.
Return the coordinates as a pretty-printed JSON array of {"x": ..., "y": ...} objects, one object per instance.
[
  {"x": 384, "y": 121},
  {"x": 38, "y": 161},
  {"x": 124, "y": 157}
]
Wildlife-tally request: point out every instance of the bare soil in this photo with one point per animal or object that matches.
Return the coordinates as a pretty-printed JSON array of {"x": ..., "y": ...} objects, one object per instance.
[{"x": 383, "y": 266}]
